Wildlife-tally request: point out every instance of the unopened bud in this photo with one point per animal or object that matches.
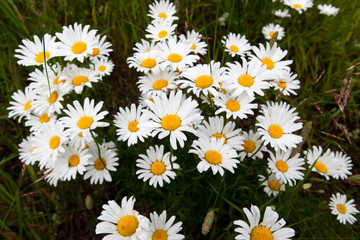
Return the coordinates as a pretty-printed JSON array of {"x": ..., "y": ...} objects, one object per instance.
[
  {"x": 354, "y": 179},
  {"x": 306, "y": 186},
  {"x": 208, "y": 221},
  {"x": 38, "y": 6},
  {"x": 88, "y": 202}
]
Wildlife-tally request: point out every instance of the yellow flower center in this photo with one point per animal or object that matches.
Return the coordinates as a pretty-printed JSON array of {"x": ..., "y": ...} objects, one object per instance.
[
  {"x": 85, "y": 122},
  {"x": 27, "y": 105},
  {"x": 57, "y": 82},
  {"x": 246, "y": 80},
  {"x": 274, "y": 185},
  {"x": 174, "y": 57},
  {"x": 341, "y": 208},
  {"x": 158, "y": 168},
  {"x": 159, "y": 235},
  {"x": 162, "y": 15},
  {"x": 213, "y": 157},
  {"x": 234, "y": 48},
  {"x": 297, "y": 5},
  {"x": 74, "y": 160},
  {"x": 249, "y": 146},
  {"x": 219, "y": 135},
  {"x": 40, "y": 57},
  {"x": 78, "y": 80},
  {"x": 203, "y": 81},
  {"x": 99, "y": 165},
  {"x": 281, "y": 166},
  {"x": 95, "y": 52},
  {"x": 170, "y": 122},
  {"x": 148, "y": 63},
  {"x": 269, "y": 63},
  {"x": 320, "y": 167},
  {"x": 275, "y": 131},
  {"x": 127, "y": 225},
  {"x": 282, "y": 84},
  {"x": 133, "y": 126},
  {"x": 193, "y": 47},
  {"x": 233, "y": 105},
  {"x": 53, "y": 97},
  {"x": 261, "y": 233},
  {"x": 54, "y": 142},
  {"x": 101, "y": 68},
  {"x": 44, "y": 118},
  {"x": 78, "y": 47},
  {"x": 160, "y": 84},
  {"x": 162, "y": 34}
]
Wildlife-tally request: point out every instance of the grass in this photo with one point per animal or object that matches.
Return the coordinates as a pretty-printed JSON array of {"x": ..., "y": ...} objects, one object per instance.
[{"x": 317, "y": 44}]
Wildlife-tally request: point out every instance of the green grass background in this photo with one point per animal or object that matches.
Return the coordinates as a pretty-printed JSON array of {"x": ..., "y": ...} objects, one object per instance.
[{"x": 315, "y": 43}]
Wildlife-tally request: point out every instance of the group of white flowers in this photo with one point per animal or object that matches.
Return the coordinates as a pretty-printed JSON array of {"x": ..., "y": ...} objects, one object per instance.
[{"x": 177, "y": 91}]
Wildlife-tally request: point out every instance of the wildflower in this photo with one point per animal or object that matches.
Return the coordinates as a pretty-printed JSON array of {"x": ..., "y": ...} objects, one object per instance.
[
  {"x": 22, "y": 104},
  {"x": 272, "y": 184},
  {"x": 162, "y": 10},
  {"x": 252, "y": 144},
  {"x": 270, "y": 29},
  {"x": 194, "y": 40},
  {"x": 103, "y": 66},
  {"x": 155, "y": 83},
  {"x": 159, "y": 30},
  {"x": 161, "y": 229},
  {"x": 342, "y": 208},
  {"x": 282, "y": 13},
  {"x": 325, "y": 163},
  {"x": 102, "y": 49},
  {"x": 344, "y": 165},
  {"x": 328, "y": 9},
  {"x": 80, "y": 77},
  {"x": 235, "y": 44},
  {"x": 299, "y": 5},
  {"x": 287, "y": 83}
]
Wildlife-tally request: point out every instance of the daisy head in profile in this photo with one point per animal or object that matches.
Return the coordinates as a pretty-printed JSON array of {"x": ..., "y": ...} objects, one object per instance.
[
  {"x": 162, "y": 10},
  {"x": 270, "y": 29},
  {"x": 194, "y": 39},
  {"x": 235, "y": 44},
  {"x": 328, "y": 9},
  {"x": 344, "y": 165},
  {"x": 299, "y": 5},
  {"x": 156, "y": 167},
  {"x": 163, "y": 229},
  {"x": 122, "y": 222},
  {"x": 269, "y": 229},
  {"x": 22, "y": 104},
  {"x": 343, "y": 209},
  {"x": 282, "y": 13},
  {"x": 77, "y": 42}
]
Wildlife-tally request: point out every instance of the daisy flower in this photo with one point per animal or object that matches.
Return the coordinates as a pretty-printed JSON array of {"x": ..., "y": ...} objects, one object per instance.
[
  {"x": 194, "y": 40},
  {"x": 270, "y": 29},
  {"x": 145, "y": 46},
  {"x": 342, "y": 208},
  {"x": 328, "y": 9},
  {"x": 269, "y": 228},
  {"x": 80, "y": 77},
  {"x": 53, "y": 175},
  {"x": 103, "y": 50},
  {"x": 272, "y": 58},
  {"x": 325, "y": 163},
  {"x": 156, "y": 166},
  {"x": 122, "y": 222},
  {"x": 159, "y": 30},
  {"x": 235, "y": 106},
  {"x": 287, "y": 83},
  {"x": 32, "y": 53},
  {"x": 176, "y": 55},
  {"x": 235, "y": 44},
  {"x": 216, "y": 127},
  {"x": 162, "y": 10},
  {"x": 282, "y": 13},
  {"x": 285, "y": 167},
  {"x": 162, "y": 230},
  {"x": 26, "y": 148},
  {"x": 103, "y": 66},
  {"x": 37, "y": 121},
  {"x": 98, "y": 169},
  {"x": 77, "y": 42},
  {"x": 155, "y": 83},
  {"x": 203, "y": 78},
  {"x": 272, "y": 184},
  {"x": 22, "y": 104},
  {"x": 277, "y": 124},
  {"x": 252, "y": 144},
  {"x": 249, "y": 77},
  {"x": 173, "y": 116},
  {"x": 132, "y": 125},
  {"x": 83, "y": 119},
  {"x": 144, "y": 62},
  {"x": 44, "y": 102},
  {"x": 344, "y": 165},
  {"x": 214, "y": 154},
  {"x": 299, "y": 5}
]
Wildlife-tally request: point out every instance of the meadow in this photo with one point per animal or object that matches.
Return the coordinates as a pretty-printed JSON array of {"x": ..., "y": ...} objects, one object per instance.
[{"x": 325, "y": 53}]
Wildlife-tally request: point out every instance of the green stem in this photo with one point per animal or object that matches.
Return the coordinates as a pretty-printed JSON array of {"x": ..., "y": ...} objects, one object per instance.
[{"x": 98, "y": 148}]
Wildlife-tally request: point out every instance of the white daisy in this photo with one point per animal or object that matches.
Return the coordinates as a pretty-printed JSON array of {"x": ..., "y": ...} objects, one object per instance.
[
  {"x": 162, "y": 10},
  {"x": 22, "y": 105},
  {"x": 155, "y": 83},
  {"x": 216, "y": 127},
  {"x": 285, "y": 167},
  {"x": 277, "y": 125},
  {"x": 194, "y": 40},
  {"x": 77, "y": 42},
  {"x": 53, "y": 175},
  {"x": 328, "y": 9},
  {"x": 299, "y": 5},
  {"x": 37, "y": 121},
  {"x": 252, "y": 144},
  {"x": 203, "y": 78},
  {"x": 270, "y": 29},
  {"x": 235, "y": 44},
  {"x": 173, "y": 116},
  {"x": 282, "y": 13},
  {"x": 103, "y": 66},
  {"x": 80, "y": 77},
  {"x": 102, "y": 50},
  {"x": 344, "y": 165},
  {"x": 269, "y": 228},
  {"x": 325, "y": 163},
  {"x": 44, "y": 102},
  {"x": 342, "y": 208},
  {"x": 83, "y": 119},
  {"x": 144, "y": 62},
  {"x": 132, "y": 125},
  {"x": 145, "y": 46},
  {"x": 159, "y": 30},
  {"x": 235, "y": 106},
  {"x": 26, "y": 148},
  {"x": 156, "y": 166},
  {"x": 287, "y": 83},
  {"x": 214, "y": 154},
  {"x": 160, "y": 229},
  {"x": 122, "y": 222},
  {"x": 32, "y": 53},
  {"x": 272, "y": 184}
]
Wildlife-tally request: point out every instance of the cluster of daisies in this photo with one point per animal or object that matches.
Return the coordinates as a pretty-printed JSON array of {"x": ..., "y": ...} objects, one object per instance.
[
  {"x": 61, "y": 141},
  {"x": 302, "y": 5}
]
